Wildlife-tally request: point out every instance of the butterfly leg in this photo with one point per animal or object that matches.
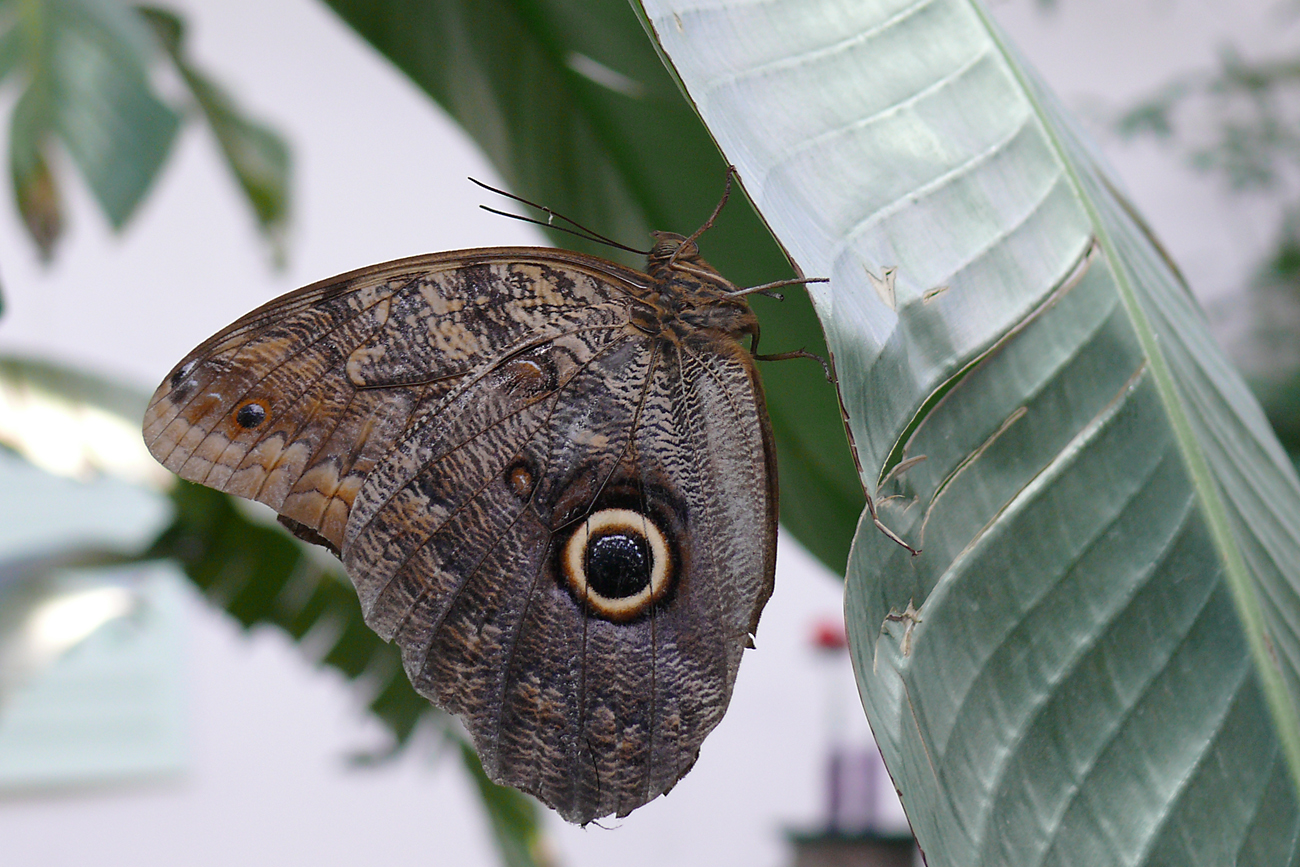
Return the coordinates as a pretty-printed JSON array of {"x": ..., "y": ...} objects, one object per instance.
[{"x": 798, "y": 353}]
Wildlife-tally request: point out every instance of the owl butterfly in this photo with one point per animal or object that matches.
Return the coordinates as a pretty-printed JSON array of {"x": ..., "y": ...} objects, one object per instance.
[{"x": 550, "y": 478}]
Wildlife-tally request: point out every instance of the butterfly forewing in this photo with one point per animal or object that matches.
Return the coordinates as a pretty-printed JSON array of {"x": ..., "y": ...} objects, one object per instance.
[
  {"x": 295, "y": 403},
  {"x": 553, "y": 493}
]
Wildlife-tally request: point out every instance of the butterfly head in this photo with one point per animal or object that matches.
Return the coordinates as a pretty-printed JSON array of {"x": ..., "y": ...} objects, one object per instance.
[
  {"x": 691, "y": 293},
  {"x": 670, "y": 249},
  {"x": 681, "y": 275},
  {"x": 675, "y": 256}
]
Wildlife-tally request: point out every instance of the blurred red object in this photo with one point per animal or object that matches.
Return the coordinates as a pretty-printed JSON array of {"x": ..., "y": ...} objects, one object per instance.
[{"x": 829, "y": 634}]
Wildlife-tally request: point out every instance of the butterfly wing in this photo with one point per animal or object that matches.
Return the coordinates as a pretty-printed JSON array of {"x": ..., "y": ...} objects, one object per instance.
[
  {"x": 460, "y": 544},
  {"x": 295, "y": 403},
  {"x": 462, "y": 429}
]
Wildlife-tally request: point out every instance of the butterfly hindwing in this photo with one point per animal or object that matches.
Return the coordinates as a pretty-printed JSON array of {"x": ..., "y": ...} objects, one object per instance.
[
  {"x": 550, "y": 478},
  {"x": 457, "y": 546}
]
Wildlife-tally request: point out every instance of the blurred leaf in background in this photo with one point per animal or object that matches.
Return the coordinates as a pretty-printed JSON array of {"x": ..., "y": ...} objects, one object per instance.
[
  {"x": 1241, "y": 123},
  {"x": 85, "y": 72}
]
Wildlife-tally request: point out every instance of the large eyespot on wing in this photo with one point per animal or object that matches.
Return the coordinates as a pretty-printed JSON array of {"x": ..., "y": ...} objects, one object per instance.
[
  {"x": 454, "y": 561},
  {"x": 619, "y": 563},
  {"x": 640, "y": 676},
  {"x": 295, "y": 403},
  {"x": 564, "y": 588}
]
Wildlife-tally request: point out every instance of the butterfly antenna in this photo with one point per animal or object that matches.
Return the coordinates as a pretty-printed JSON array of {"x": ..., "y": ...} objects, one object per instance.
[
  {"x": 708, "y": 224},
  {"x": 766, "y": 288},
  {"x": 578, "y": 230}
]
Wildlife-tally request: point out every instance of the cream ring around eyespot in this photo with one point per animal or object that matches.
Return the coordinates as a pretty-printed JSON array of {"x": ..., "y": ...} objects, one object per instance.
[{"x": 609, "y": 522}]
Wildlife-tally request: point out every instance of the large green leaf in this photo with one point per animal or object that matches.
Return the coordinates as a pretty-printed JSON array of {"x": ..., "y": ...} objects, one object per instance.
[
  {"x": 572, "y": 104},
  {"x": 1096, "y": 658}
]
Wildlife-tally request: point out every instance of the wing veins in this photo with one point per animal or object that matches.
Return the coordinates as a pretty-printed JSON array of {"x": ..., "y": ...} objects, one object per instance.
[
  {"x": 468, "y": 500},
  {"x": 685, "y": 355},
  {"x": 313, "y": 343},
  {"x": 514, "y": 639},
  {"x": 627, "y": 447},
  {"x": 470, "y": 437}
]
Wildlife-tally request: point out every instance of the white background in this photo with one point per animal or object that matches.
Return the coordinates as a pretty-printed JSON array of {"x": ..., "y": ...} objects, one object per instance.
[{"x": 380, "y": 174}]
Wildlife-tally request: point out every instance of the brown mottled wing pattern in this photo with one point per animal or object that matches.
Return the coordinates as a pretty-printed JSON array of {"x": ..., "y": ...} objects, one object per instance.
[
  {"x": 594, "y": 717},
  {"x": 449, "y": 424},
  {"x": 337, "y": 371}
]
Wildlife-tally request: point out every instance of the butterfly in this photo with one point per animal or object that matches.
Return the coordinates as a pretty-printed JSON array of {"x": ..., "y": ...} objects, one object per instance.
[{"x": 550, "y": 478}]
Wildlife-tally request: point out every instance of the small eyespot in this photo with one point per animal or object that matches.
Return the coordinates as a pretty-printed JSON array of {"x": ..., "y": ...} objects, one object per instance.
[
  {"x": 519, "y": 476},
  {"x": 618, "y": 563},
  {"x": 250, "y": 414},
  {"x": 528, "y": 375}
]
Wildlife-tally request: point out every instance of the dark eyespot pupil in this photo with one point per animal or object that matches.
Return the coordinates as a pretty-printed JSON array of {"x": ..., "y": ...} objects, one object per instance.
[
  {"x": 250, "y": 415},
  {"x": 618, "y": 565}
]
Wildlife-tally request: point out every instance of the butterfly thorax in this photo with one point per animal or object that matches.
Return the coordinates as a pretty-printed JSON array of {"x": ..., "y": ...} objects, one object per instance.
[{"x": 687, "y": 294}]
